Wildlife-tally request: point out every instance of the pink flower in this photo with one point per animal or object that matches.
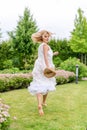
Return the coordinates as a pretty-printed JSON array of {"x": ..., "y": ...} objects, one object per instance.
[
  {"x": 2, "y": 120},
  {"x": 6, "y": 114},
  {"x": 6, "y": 106}
]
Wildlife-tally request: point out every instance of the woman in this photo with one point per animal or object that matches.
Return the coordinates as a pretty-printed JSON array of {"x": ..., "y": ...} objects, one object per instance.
[{"x": 41, "y": 85}]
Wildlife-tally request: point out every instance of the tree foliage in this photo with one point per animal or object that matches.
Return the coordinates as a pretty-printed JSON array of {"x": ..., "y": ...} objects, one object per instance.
[
  {"x": 78, "y": 41},
  {"x": 0, "y": 33},
  {"x": 61, "y": 45},
  {"x": 21, "y": 38},
  {"x": 6, "y": 52}
]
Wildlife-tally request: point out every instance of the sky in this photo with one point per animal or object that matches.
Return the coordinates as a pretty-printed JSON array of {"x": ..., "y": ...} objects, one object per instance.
[{"x": 56, "y": 16}]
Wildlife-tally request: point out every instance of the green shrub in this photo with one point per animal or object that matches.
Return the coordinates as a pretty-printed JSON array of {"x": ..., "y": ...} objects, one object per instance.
[
  {"x": 57, "y": 61},
  {"x": 7, "y": 64},
  {"x": 63, "y": 77},
  {"x": 11, "y": 71},
  {"x": 16, "y": 82},
  {"x": 61, "y": 80},
  {"x": 70, "y": 65},
  {"x": 2, "y": 85}
]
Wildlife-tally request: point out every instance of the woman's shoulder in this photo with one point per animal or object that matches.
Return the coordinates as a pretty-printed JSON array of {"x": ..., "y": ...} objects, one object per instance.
[
  {"x": 41, "y": 45},
  {"x": 44, "y": 44},
  {"x": 46, "y": 47}
]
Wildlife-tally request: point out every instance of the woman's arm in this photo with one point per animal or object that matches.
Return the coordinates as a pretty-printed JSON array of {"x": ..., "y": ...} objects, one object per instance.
[{"x": 45, "y": 51}]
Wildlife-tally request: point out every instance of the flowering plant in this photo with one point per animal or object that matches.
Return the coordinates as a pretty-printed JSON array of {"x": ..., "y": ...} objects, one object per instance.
[
  {"x": 4, "y": 116},
  {"x": 63, "y": 76}
]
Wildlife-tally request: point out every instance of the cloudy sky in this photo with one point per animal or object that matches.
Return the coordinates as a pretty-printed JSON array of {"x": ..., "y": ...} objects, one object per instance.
[{"x": 56, "y": 16}]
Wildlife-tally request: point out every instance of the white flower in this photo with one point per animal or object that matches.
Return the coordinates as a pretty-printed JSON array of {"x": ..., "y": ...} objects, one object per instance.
[
  {"x": 6, "y": 106},
  {"x": 0, "y": 116},
  {"x": 6, "y": 114},
  {"x": 2, "y": 120}
]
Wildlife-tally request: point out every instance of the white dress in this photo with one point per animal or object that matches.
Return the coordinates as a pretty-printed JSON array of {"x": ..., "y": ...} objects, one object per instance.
[{"x": 40, "y": 83}]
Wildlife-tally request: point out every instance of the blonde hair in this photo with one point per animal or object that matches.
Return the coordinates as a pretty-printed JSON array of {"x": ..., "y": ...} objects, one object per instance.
[{"x": 37, "y": 37}]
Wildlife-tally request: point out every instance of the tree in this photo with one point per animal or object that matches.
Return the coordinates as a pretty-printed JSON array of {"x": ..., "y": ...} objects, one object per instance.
[
  {"x": 61, "y": 45},
  {"x": 21, "y": 38},
  {"x": 6, "y": 53},
  {"x": 78, "y": 41},
  {"x": 0, "y": 33}
]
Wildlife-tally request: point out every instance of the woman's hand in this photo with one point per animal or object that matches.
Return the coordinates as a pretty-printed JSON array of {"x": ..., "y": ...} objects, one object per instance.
[{"x": 55, "y": 53}]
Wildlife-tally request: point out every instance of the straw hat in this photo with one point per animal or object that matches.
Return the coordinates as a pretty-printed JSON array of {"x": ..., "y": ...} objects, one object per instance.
[{"x": 49, "y": 72}]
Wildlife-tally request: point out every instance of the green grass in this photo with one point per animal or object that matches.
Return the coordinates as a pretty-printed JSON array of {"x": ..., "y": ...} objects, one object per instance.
[{"x": 66, "y": 110}]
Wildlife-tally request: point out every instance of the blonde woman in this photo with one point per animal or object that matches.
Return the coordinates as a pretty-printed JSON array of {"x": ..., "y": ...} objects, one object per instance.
[{"x": 41, "y": 85}]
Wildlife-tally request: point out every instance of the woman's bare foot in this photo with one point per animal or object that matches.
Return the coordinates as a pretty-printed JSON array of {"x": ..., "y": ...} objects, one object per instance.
[{"x": 40, "y": 109}]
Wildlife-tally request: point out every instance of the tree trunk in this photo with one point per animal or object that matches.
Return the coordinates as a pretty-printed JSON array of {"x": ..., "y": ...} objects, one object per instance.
[
  {"x": 82, "y": 58},
  {"x": 85, "y": 60}
]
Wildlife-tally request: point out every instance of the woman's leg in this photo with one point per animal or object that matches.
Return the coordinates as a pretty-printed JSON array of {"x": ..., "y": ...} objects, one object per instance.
[
  {"x": 44, "y": 99},
  {"x": 39, "y": 99}
]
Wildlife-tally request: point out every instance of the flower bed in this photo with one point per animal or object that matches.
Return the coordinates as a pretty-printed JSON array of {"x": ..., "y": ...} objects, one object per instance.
[
  {"x": 63, "y": 76},
  {"x": 17, "y": 81},
  {"x": 4, "y": 116},
  {"x": 14, "y": 81}
]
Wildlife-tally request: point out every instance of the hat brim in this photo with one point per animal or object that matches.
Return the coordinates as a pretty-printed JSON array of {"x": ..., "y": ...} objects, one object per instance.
[{"x": 49, "y": 73}]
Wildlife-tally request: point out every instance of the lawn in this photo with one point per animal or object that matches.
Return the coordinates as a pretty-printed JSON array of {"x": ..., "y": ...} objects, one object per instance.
[{"x": 66, "y": 110}]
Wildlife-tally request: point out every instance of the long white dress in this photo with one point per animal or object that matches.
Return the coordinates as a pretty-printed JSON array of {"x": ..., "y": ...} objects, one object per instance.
[{"x": 40, "y": 83}]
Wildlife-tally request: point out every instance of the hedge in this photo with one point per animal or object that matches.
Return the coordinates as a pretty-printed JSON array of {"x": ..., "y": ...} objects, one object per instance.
[
  {"x": 12, "y": 81},
  {"x": 18, "y": 81},
  {"x": 63, "y": 77}
]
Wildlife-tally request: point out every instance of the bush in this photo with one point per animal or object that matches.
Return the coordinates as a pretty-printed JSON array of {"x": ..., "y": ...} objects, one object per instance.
[
  {"x": 12, "y": 82},
  {"x": 63, "y": 77},
  {"x": 61, "y": 80},
  {"x": 7, "y": 64},
  {"x": 4, "y": 116},
  {"x": 57, "y": 61},
  {"x": 11, "y": 71},
  {"x": 70, "y": 65},
  {"x": 18, "y": 81}
]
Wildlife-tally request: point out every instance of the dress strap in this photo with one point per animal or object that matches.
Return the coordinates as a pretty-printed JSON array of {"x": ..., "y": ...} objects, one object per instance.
[{"x": 45, "y": 44}]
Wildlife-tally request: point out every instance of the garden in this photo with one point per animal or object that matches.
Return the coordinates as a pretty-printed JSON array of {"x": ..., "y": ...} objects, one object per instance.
[{"x": 67, "y": 106}]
